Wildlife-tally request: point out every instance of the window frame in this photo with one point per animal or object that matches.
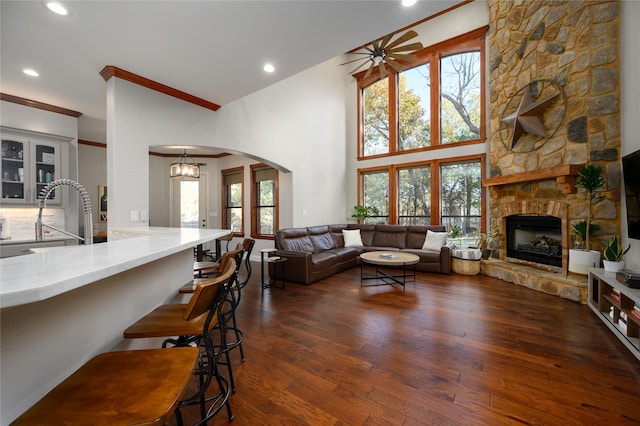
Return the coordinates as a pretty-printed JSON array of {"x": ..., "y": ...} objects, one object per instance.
[
  {"x": 225, "y": 197},
  {"x": 469, "y": 42},
  {"x": 255, "y": 206},
  {"x": 434, "y": 189}
]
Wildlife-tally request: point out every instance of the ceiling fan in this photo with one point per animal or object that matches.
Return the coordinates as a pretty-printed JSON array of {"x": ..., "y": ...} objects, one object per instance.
[{"x": 385, "y": 51}]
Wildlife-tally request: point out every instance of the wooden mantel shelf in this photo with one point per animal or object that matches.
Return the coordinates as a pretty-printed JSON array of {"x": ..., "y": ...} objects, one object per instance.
[{"x": 564, "y": 175}]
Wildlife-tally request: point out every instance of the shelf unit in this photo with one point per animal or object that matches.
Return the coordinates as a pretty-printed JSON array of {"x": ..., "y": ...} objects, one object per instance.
[{"x": 608, "y": 309}]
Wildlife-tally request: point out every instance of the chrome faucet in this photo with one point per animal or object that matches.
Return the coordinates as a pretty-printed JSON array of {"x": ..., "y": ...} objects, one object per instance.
[{"x": 86, "y": 207}]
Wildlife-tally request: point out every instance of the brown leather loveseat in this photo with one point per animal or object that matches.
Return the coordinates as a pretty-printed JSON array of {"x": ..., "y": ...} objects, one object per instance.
[{"x": 317, "y": 252}]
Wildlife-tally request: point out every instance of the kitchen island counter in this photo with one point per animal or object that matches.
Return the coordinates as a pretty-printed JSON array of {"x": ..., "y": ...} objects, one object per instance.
[{"x": 61, "y": 306}]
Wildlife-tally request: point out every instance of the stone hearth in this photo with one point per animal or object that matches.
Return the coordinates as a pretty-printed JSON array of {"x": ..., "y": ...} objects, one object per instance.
[{"x": 572, "y": 287}]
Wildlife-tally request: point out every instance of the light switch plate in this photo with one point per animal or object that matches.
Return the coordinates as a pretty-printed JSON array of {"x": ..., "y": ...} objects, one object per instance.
[
  {"x": 144, "y": 216},
  {"x": 135, "y": 215}
]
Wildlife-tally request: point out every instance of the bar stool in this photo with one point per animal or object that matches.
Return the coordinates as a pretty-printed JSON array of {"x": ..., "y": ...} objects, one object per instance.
[
  {"x": 247, "y": 246},
  {"x": 192, "y": 323},
  {"x": 141, "y": 387}
]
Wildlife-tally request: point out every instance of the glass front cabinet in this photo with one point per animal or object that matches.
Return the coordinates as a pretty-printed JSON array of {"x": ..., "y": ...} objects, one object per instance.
[{"x": 27, "y": 166}]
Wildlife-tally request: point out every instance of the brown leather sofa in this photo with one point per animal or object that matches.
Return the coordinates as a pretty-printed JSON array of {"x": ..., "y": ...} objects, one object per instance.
[{"x": 317, "y": 252}]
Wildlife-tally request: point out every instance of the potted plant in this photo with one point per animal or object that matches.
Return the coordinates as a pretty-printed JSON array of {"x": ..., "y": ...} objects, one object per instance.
[
  {"x": 362, "y": 212},
  {"x": 613, "y": 255},
  {"x": 483, "y": 242},
  {"x": 590, "y": 179}
]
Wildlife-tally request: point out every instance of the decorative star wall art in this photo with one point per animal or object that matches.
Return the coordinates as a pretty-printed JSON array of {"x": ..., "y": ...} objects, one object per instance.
[{"x": 532, "y": 116}]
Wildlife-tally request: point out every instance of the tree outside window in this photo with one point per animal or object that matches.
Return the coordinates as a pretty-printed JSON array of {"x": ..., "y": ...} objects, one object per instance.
[
  {"x": 376, "y": 118},
  {"x": 232, "y": 199},
  {"x": 460, "y": 97},
  {"x": 414, "y": 196},
  {"x": 375, "y": 192},
  {"x": 265, "y": 195},
  {"x": 461, "y": 197}
]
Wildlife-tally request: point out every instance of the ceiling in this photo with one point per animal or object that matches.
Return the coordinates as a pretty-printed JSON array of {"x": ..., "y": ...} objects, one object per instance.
[{"x": 210, "y": 49}]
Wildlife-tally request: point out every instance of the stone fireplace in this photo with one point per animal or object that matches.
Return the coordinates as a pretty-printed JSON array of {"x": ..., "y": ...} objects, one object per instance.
[{"x": 575, "y": 45}]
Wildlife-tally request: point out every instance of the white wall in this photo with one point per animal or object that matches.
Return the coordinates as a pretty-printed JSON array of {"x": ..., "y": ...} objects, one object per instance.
[
  {"x": 630, "y": 105},
  {"x": 136, "y": 119}
]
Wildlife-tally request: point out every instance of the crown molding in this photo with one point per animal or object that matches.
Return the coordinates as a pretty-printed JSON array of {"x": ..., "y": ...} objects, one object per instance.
[
  {"x": 39, "y": 105},
  {"x": 110, "y": 71}
]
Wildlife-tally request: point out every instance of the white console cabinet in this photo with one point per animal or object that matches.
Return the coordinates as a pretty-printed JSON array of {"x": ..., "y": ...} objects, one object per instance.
[{"x": 610, "y": 299}]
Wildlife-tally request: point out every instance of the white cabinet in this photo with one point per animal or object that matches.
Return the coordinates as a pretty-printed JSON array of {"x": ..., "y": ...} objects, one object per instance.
[{"x": 28, "y": 165}]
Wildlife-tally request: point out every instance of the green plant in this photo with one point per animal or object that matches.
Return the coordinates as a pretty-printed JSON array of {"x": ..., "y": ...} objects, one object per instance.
[
  {"x": 614, "y": 250},
  {"x": 591, "y": 180},
  {"x": 580, "y": 229},
  {"x": 484, "y": 240},
  {"x": 455, "y": 231},
  {"x": 363, "y": 212}
]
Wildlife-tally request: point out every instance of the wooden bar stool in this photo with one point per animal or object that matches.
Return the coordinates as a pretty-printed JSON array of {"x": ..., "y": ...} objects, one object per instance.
[
  {"x": 141, "y": 387},
  {"x": 210, "y": 268},
  {"x": 192, "y": 323}
]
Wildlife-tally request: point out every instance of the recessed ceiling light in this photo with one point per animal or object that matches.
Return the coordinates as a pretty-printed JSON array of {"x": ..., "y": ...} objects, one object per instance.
[
  {"x": 32, "y": 73},
  {"x": 57, "y": 8},
  {"x": 407, "y": 3},
  {"x": 268, "y": 68}
]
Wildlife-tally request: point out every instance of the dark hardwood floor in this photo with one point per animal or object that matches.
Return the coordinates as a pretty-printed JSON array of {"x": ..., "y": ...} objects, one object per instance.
[{"x": 450, "y": 350}]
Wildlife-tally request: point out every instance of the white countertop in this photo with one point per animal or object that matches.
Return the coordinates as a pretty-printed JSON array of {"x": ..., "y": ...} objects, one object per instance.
[{"x": 52, "y": 271}]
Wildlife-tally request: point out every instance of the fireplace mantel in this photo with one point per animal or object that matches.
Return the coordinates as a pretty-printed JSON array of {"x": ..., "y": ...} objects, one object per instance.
[{"x": 564, "y": 175}]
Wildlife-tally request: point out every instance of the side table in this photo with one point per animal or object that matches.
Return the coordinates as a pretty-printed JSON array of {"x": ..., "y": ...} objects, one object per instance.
[
  {"x": 266, "y": 258},
  {"x": 466, "y": 261}
]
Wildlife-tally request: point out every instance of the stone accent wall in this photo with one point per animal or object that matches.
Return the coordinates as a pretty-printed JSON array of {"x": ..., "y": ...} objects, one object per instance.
[{"x": 576, "y": 45}]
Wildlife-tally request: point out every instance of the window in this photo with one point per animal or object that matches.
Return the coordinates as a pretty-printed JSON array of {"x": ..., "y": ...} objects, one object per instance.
[
  {"x": 189, "y": 203},
  {"x": 232, "y": 200},
  {"x": 264, "y": 218},
  {"x": 437, "y": 101},
  {"x": 461, "y": 197},
  {"x": 375, "y": 186},
  {"x": 414, "y": 195},
  {"x": 446, "y": 192}
]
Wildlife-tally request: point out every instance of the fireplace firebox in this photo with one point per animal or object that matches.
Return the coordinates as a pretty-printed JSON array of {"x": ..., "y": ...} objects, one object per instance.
[{"x": 535, "y": 238}]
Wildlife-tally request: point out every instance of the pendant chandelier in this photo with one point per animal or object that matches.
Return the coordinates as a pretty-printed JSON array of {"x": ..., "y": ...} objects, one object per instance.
[{"x": 184, "y": 166}]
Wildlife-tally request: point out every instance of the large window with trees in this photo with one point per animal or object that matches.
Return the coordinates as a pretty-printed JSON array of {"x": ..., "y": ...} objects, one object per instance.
[
  {"x": 232, "y": 200},
  {"x": 264, "y": 212},
  {"x": 436, "y": 101},
  {"x": 444, "y": 191}
]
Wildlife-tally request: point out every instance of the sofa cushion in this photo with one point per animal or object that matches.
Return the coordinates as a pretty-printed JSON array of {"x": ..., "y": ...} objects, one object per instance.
[
  {"x": 434, "y": 241},
  {"x": 321, "y": 240},
  {"x": 366, "y": 232},
  {"x": 416, "y": 234},
  {"x": 352, "y": 238},
  {"x": 390, "y": 236},
  {"x": 325, "y": 259},
  {"x": 301, "y": 244},
  {"x": 336, "y": 233}
]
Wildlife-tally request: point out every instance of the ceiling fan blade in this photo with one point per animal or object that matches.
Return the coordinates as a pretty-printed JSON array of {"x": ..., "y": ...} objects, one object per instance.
[
  {"x": 406, "y": 47},
  {"x": 358, "y": 67},
  {"x": 383, "y": 70},
  {"x": 404, "y": 37},
  {"x": 355, "y": 60},
  {"x": 368, "y": 73},
  {"x": 393, "y": 64},
  {"x": 385, "y": 40},
  {"x": 402, "y": 58}
]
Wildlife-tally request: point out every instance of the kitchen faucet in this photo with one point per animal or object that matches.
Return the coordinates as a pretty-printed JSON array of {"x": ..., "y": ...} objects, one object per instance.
[{"x": 86, "y": 207}]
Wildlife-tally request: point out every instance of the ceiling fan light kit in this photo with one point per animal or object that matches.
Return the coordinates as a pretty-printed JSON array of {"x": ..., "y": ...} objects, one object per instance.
[{"x": 386, "y": 52}]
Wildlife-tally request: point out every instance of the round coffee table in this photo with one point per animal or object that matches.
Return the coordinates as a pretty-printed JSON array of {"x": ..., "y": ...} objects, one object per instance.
[{"x": 386, "y": 260}]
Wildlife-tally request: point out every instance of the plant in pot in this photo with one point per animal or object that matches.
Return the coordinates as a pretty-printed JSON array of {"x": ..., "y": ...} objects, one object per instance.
[
  {"x": 362, "y": 212},
  {"x": 483, "y": 242},
  {"x": 590, "y": 179},
  {"x": 613, "y": 255}
]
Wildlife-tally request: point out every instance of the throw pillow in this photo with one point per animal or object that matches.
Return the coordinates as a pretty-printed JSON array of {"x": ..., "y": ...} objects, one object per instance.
[
  {"x": 434, "y": 240},
  {"x": 352, "y": 238}
]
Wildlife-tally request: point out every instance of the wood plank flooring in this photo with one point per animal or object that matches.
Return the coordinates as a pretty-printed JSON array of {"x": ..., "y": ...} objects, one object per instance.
[{"x": 450, "y": 350}]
